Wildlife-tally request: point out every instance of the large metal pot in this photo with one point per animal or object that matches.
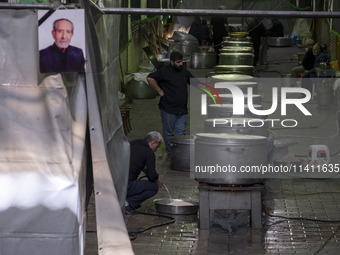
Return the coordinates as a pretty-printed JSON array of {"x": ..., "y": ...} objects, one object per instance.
[
  {"x": 228, "y": 151},
  {"x": 237, "y": 44},
  {"x": 245, "y": 69},
  {"x": 229, "y": 99},
  {"x": 243, "y": 85},
  {"x": 181, "y": 36},
  {"x": 226, "y": 111},
  {"x": 232, "y": 77},
  {"x": 238, "y": 34},
  {"x": 203, "y": 59},
  {"x": 238, "y": 39},
  {"x": 279, "y": 41},
  {"x": 237, "y": 126},
  {"x": 234, "y": 49},
  {"x": 236, "y": 59},
  {"x": 140, "y": 90},
  {"x": 185, "y": 47},
  {"x": 181, "y": 147}
]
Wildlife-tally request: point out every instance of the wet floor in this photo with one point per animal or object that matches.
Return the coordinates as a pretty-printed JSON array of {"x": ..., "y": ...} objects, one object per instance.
[{"x": 299, "y": 215}]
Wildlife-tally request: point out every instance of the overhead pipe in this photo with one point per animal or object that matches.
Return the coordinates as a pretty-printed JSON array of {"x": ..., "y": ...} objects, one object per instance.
[
  {"x": 190, "y": 12},
  {"x": 227, "y": 13}
]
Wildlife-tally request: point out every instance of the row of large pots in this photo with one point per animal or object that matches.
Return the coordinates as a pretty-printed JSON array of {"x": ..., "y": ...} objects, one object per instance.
[{"x": 229, "y": 140}]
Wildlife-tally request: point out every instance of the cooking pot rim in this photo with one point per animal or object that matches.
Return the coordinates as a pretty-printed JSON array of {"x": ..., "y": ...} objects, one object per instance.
[
  {"x": 237, "y": 77},
  {"x": 222, "y": 138}
]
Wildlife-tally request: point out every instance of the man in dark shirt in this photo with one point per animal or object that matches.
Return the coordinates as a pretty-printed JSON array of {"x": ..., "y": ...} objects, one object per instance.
[
  {"x": 319, "y": 57},
  {"x": 142, "y": 158},
  {"x": 62, "y": 57},
  {"x": 256, "y": 30},
  {"x": 170, "y": 82},
  {"x": 307, "y": 62},
  {"x": 219, "y": 27}
]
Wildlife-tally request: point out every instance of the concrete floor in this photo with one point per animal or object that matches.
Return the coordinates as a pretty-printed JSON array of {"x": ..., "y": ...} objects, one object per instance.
[{"x": 299, "y": 215}]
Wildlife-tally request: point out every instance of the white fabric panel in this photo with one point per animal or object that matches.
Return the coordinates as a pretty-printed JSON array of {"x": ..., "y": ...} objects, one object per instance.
[
  {"x": 41, "y": 173},
  {"x": 42, "y": 134}
]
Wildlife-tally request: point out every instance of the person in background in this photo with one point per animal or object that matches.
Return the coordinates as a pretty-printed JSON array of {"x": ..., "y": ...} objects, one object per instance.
[
  {"x": 320, "y": 56},
  {"x": 200, "y": 30},
  {"x": 61, "y": 56},
  {"x": 170, "y": 82},
  {"x": 307, "y": 62},
  {"x": 256, "y": 30},
  {"x": 219, "y": 27},
  {"x": 277, "y": 28},
  {"x": 142, "y": 159}
]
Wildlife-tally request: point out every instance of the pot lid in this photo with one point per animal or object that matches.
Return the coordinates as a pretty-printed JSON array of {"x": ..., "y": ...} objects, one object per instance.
[
  {"x": 237, "y": 48},
  {"x": 229, "y": 54},
  {"x": 238, "y": 42},
  {"x": 232, "y": 77},
  {"x": 218, "y": 85},
  {"x": 231, "y": 96},
  {"x": 230, "y": 122},
  {"x": 225, "y": 137},
  {"x": 238, "y": 34},
  {"x": 256, "y": 106},
  {"x": 233, "y": 66}
]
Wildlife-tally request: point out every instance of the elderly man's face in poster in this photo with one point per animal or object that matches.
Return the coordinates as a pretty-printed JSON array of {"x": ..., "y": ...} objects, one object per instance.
[{"x": 63, "y": 33}]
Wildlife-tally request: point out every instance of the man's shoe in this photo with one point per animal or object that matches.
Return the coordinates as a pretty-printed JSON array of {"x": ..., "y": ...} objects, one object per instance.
[{"x": 129, "y": 210}]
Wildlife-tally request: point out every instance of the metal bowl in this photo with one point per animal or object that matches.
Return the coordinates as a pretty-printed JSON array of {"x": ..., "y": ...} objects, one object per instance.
[
  {"x": 279, "y": 41},
  {"x": 163, "y": 206}
]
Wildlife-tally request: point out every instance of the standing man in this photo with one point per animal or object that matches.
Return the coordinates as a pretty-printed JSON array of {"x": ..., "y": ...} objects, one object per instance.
[
  {"x": 256, "y": 30},
  {"x": 142, "y": 158},
  {"x": 170, "y": 82},
  {"x": 219, "y": 27},
  {"x": 61, "y": 56}
]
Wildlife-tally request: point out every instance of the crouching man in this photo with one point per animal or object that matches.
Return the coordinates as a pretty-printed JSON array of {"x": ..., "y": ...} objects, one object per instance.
[{"x": 142, "y": 158}]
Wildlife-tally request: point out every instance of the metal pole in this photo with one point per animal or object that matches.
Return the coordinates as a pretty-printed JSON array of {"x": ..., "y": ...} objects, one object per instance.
[
  {"x": 191, "y": 12},
  {"x": 227, "y": 13},
  {"x": 26, "y": 6}
]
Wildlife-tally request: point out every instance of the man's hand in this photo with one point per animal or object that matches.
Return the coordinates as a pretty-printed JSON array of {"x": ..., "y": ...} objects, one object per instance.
[
  {"x": 160, "y": 184},
  {"x": 160, "y": 92}
]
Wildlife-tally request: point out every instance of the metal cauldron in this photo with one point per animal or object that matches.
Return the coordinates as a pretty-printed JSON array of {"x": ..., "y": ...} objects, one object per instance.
[
  {"x": 237, "y": 126},
  {"x": 238, "y": 34},
  {"x": 181, "y": 148},
  {"x": 229, "y": 99},
  {"x": 236, "y": 59},
  {"x": 279, "y": 41},
  {"x": 237, "y": 44},
  {"x": 231, "y": 77},
  {"x": 243, "y": 85},
  {"x": 245, "y": 69},
  {"x": 234, "y": 49},
  {"x": 227, "y": 111},
  {"x": 238, "y": 39},
  {"x": 185, "y": 47},
  {"x": 203, "y": 60},
  {"x": 228, "y": 151},
  {"x": 140, "y": 90}
]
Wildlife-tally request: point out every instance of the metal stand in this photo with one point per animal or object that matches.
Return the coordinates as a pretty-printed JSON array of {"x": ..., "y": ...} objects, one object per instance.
[{"x": 228, "y": 198}]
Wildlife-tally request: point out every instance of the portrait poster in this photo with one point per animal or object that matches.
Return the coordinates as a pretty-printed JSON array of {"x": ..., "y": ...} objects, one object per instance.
[{"x": 61, "y": 41}]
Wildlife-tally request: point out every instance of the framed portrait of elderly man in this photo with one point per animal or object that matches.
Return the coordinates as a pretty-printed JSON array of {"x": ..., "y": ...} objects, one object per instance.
[{"x": 61, "y": 41}]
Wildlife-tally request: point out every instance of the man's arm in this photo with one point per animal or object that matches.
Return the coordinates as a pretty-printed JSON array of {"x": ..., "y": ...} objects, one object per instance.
[{"x": 153, "y": 83}]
